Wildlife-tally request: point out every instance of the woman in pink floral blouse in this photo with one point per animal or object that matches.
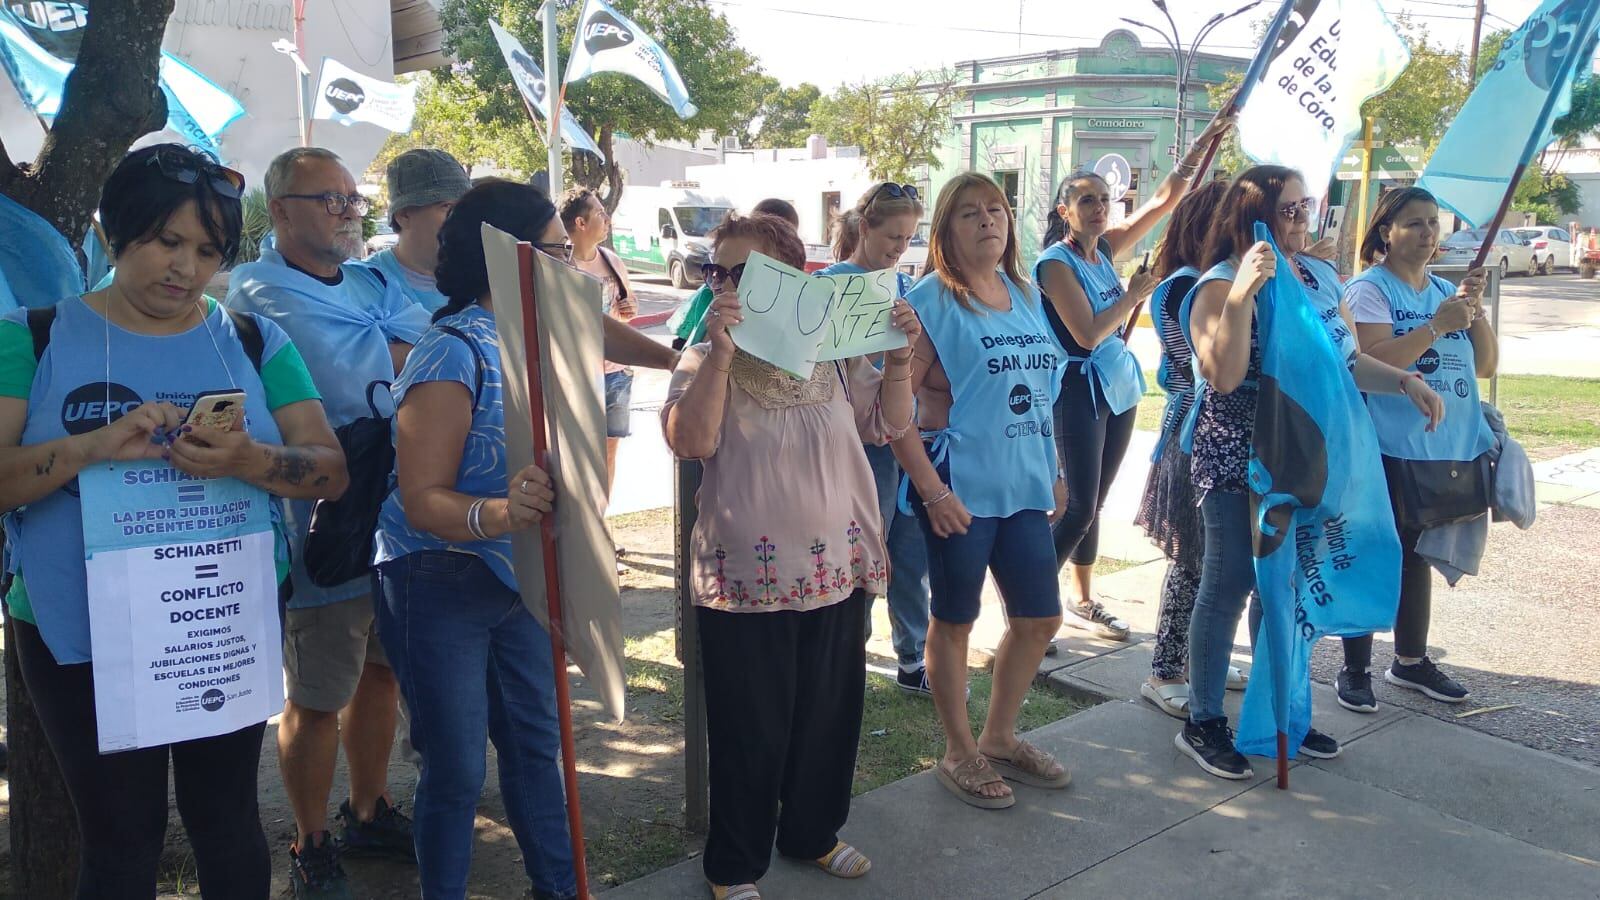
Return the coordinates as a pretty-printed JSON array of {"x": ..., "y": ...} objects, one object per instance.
[{"x": 789, "y": 544}]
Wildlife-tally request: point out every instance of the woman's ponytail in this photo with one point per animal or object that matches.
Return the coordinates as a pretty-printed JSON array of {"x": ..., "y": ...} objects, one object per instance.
[{"x": 846, "y": 234}]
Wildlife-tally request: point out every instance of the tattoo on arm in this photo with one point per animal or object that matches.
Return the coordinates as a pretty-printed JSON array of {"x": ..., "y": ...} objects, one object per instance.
[
  {"x": 44, "y": 468},
  {"x": 290, "y": 465}
]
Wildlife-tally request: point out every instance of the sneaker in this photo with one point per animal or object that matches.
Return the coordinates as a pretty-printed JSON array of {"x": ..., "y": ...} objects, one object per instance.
[
  {"x": 1051, "y": 649},
  {"x": 1426, "y": 677},
  {"x": 1093, "y": 617},
  {"x": 915, "y": 681},
  {"x": 387, "y": 835},
  {"x": 1319, "y": 746},
  {"x": 1210, "y": 744},
  {"x": 315, "y": 873},
  {"x": 1355, "y": 691}
]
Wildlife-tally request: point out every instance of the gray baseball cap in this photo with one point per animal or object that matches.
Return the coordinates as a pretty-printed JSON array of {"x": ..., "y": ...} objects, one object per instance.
[{"x": 423, "y": 177}]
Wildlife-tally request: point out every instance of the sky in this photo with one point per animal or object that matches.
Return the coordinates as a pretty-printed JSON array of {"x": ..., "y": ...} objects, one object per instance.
[{"x": 834, "y": 42}]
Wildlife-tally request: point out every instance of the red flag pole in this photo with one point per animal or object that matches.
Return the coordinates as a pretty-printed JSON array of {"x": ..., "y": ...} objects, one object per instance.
[
  {"x": 552, "y": 580},
  {"x": 1283, "y": 761}
]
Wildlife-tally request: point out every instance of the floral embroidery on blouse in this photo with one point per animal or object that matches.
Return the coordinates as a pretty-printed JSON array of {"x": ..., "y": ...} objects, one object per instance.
[{"x": 821, "y": 585}]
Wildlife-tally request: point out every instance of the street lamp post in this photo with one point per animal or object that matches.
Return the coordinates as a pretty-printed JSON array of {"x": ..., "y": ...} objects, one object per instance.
[{"x": 1184, "y": 60}]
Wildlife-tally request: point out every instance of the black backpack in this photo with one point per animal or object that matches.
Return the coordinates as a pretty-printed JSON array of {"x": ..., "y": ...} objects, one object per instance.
[{"x": 339, "y": 538}]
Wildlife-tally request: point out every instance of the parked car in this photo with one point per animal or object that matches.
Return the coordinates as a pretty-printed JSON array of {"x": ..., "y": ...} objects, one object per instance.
[
  {"x": 384, "y": 239},
  {"x": 1552, "y": 247},
  {"x": 1510, "y": 252}
]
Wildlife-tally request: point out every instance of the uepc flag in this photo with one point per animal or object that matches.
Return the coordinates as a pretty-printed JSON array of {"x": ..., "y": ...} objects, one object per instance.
[
  {"x": 347, "y": 97},
  {"x": 1330, "y": 57},
  {"x": 1509, "y": 115},
  {"x": 536, "y": 91},
  {"x": 608, "y": 41},
  {"x": 1326, "y": 554}
]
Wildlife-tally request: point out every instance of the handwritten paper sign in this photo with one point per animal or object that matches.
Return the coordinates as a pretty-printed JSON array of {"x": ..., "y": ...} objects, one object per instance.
[{"x": 794, "y": 320}]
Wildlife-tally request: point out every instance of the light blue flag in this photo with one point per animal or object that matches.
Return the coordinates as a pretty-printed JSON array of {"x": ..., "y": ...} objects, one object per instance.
[
  {"x": 535, "y": 91},
  {"x": 35, "y": 259},
  {"x": 1326, "y": 553},
  {"x": 608, "y": 41},
  {"x": 1509, "y": 115},
  {"x": 196, "y": 108}
]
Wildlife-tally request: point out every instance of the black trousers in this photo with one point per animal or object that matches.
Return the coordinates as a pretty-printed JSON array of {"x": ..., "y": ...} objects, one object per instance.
[
  {"x": 784, "y": 692},
  {"x": 1090, "y": 445},
  {"x": 1416, "y": 595},
  {"x": 121, "y": 798}
]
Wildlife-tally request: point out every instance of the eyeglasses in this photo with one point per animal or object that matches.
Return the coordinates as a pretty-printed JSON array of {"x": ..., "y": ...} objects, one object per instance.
[
  {"x": 716, "y": 276},
  {"x": 562, "y": 252},
  {"x": 336, "y": 202},
  {"x": 187, "y": 169},
  {"x": 895, "y": 192},
  {"x": 1296, "y": 210}
]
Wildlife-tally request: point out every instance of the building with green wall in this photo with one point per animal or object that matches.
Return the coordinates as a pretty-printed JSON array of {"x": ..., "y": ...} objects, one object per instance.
[{"x": 1031, "y": 120}]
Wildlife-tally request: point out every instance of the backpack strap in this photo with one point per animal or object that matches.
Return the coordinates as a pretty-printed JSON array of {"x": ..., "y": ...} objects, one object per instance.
[
  {"x": 40, "y": 318},
  {"x": 622, "y": 284},
  {"x": 477, "y": 359}
]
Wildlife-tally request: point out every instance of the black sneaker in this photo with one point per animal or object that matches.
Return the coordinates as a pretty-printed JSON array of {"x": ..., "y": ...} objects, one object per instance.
[
  {"x": 1211, "y": 745},
  {"x": 1319, "y": 746},
  {"x": 1355, "y": 691},
  {"x": 314, "y": 870},
  {"x": 387, "y": 835},
  {"x": 914, "y": 682},
  {"x": 1426, "y": 677}
]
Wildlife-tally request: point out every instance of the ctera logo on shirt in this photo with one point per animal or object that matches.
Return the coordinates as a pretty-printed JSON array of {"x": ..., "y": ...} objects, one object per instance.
[
  {"x": 91, "y": 406},
  {"x": 604, "y": 32},
  {"x": 345, "y": 95}
]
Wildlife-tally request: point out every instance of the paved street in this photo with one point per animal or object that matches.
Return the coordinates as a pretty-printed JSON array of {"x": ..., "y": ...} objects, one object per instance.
[{"x": 1550, "y": 325}]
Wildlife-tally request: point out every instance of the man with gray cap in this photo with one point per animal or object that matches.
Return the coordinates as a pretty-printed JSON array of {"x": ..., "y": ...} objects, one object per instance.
[{"x": 423, "y": 185}]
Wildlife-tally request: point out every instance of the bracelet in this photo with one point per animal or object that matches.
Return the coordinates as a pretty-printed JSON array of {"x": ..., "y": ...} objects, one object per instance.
[
  {"x": 939, "y": 499},
  {"x": 1433, "y": 331},
  {"x": 474, "y": 519},
  {"x": 1407, "y": 377},
  {"x": 1187, "y": 171}
]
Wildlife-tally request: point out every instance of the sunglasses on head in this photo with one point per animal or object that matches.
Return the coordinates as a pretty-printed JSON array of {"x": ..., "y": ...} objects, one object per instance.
[
  {"x": 1299, "y": 209},
  {"x": 894, "y": 192},
  {"x": 716, "y": 276},
  {"x": 187, "y": 169}
]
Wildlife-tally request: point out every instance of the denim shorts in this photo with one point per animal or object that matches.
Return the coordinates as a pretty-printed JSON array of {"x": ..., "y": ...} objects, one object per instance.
[{"x": 619, "y": 396}]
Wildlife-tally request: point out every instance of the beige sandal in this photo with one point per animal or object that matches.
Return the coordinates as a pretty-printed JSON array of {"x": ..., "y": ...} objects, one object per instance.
[
  {"x": 967, "y": 781},
  {"x": 734, "y": 892},
  {"x": 844, "y": 861},
  {"x": 1032, "y": 766}
]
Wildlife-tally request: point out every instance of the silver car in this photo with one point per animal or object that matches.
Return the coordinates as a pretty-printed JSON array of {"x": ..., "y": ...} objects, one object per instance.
[
  {"x": 1510, "y": 252},
  {"x": 1552, "y": 247}
]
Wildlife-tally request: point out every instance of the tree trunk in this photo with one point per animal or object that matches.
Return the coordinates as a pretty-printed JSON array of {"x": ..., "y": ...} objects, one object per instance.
[
  {"x": 44, "y": 832},
  {"x": 111, "y": 100}
]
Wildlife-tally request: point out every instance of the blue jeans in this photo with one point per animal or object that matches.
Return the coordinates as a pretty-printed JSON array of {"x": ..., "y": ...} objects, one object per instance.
[
  {"x": 1226, "y": 581},
  {"x": 473, "y": 664},
  {"x": 908, "y": 565}
]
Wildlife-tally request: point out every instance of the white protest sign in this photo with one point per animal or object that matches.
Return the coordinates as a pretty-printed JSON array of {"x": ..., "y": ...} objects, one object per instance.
[{"x": 794, "y": 320}]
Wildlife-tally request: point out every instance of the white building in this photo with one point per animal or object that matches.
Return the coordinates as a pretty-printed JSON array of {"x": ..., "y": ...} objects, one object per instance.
[
  {"x": 819, "y": 180},
  {"x": 230, "y": 42}
]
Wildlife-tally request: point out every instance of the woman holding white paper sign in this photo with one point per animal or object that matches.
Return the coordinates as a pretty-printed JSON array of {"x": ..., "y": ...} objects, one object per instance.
[
  {"x": 872, "y": 236},
  {"x": 89, "y": 411},
  {"x": 984, "y": 481},
  {"x": 788, "y": 545}
]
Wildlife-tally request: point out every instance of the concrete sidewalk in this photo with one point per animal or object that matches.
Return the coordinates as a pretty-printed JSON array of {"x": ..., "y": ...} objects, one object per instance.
[{"x": 1414, "y": 807}]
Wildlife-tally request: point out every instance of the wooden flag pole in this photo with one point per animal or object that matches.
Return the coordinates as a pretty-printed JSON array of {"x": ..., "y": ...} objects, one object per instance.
[{"x": 552, "y": 580}]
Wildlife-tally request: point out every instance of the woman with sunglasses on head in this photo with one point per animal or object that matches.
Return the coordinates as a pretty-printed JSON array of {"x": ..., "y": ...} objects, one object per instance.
[
  {"x": 1222, "y": 329},
  {"x": 1403, "y": 314},
  {"x": 1089, "y": 311},
  {"x": 984, "y": 481},
  {"x": 472, "y": 661},
  {"x": 173, "y": 218},
  {"x": 788, "y": 545},
  {"x": 870, "y": 237}
]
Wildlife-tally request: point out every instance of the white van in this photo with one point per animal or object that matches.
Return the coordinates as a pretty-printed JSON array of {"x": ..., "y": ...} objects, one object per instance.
[{"x": 667, "y": 229}]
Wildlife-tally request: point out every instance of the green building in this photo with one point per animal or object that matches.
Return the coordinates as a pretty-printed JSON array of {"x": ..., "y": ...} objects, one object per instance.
[{"x": 1031, "y": 120}]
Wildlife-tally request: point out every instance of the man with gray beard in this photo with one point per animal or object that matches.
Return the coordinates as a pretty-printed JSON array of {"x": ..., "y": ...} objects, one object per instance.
[{"x": 354, "y": 328}]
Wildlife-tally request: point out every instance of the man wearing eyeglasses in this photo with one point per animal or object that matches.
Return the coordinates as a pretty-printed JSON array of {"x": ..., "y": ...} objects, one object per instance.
[{"x": 354, "y": 327}]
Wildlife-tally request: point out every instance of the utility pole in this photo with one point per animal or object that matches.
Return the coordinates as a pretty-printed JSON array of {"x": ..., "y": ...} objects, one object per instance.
[{"x": 1477, "y": 32}]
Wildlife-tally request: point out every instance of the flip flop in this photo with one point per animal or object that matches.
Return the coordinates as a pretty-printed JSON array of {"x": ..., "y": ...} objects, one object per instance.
[
  {"x": 1172, "y": 699},
  {"x": 1237, "y": 679},
  {"x": 734, "y": 892},
  {"x": 1031, "y": 766},
  {"x": 844, "y": 861},
  {"x": 968, "y": 778}
]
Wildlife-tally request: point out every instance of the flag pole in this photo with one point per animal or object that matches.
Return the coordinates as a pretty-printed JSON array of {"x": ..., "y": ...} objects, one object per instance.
[
  {"x": 555, "y": 85},
  {"x": 300, "y": 87},
  {"x": 552, "y": 580}
]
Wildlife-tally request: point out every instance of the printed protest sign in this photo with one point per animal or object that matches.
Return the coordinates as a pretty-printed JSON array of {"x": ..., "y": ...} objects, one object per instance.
[{"x": 794, "y": 320}]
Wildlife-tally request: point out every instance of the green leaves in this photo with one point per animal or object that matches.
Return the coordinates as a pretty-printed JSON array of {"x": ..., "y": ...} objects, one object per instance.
[{"x": 898, "y": 122}]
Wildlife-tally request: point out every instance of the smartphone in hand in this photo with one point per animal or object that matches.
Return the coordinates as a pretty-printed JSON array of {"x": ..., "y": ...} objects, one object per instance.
[{"x": 221, "y": 410}]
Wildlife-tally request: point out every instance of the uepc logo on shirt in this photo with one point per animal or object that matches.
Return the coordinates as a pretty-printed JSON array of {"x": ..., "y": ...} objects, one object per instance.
[
  {"x": 91, "y": 406},
  {"x": 1020, "y": 399}
]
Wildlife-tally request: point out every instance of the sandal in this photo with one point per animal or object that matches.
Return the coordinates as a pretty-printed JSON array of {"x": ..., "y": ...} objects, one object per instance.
[
  {"x": 1237, "y": 679},
  {"x": 734, "y": 892},
  {"x": 1172, "y": 699},
  {"x": 1030, "y": 765},
  {"x": 967, "y": 780},
  {"x": 844, "y": 861}
]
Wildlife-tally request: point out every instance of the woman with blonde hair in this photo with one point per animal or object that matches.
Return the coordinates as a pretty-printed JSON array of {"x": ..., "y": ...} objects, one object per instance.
[{"x": 985, "y": 483}]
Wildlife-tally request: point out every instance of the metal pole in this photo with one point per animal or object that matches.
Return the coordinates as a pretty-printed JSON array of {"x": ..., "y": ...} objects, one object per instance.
[
  {"x": 556, "y": 88},
  {"x": 301, "y": 88},
  {"x": 1366, "y": 181},
  {"x": 696, "y": 755}
]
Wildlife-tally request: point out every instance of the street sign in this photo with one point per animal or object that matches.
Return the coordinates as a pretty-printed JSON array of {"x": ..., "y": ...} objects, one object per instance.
[{"x": 1117, "y": 173}]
